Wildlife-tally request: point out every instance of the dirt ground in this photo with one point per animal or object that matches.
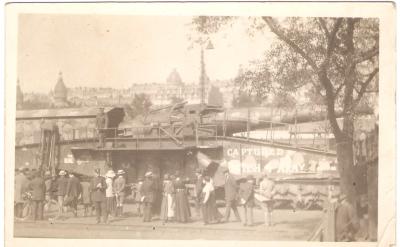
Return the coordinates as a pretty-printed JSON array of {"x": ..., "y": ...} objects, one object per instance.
[{"x": 288, "y": 226}]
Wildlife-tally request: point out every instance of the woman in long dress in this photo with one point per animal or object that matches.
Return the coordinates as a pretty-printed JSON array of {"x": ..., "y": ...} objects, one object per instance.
[
  {"x": 182, "y": 209},
  {"x": 110, "y": 196},
  {"x": 210, "y": 213},
  {"x": 168, "y": 200}
]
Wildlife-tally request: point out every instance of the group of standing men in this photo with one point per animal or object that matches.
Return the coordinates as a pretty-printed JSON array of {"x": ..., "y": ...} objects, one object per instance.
[{"x": 40, "y": 192}]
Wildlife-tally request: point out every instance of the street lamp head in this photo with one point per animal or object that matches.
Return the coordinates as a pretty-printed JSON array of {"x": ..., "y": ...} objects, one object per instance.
[{"x": 210, "y": 46}]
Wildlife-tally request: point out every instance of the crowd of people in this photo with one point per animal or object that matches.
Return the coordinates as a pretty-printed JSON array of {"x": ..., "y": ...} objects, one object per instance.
[{"x": 168, "y": 199}]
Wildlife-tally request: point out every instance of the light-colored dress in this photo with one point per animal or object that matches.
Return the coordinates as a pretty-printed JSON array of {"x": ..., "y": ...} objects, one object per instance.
[
  {"x": 110, "y": 199},
  {"x": 168, "y": 201},
  {"x": 210, "y": 211}
]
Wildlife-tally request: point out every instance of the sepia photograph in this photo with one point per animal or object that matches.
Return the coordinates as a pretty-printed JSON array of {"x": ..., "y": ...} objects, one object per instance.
[{"x": 197, "y": 127}]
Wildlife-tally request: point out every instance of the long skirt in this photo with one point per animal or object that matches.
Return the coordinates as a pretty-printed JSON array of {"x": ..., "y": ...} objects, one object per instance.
[
  {"x": 110, "y": 205},
  {"x": 167, "y": 207},
  {"x": 210, "y": 210},
  {"x": 182, "y": 209}
]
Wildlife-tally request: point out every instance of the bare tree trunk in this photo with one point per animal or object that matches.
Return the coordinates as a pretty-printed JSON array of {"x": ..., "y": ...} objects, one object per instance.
[{"x": 346, "y": 169}]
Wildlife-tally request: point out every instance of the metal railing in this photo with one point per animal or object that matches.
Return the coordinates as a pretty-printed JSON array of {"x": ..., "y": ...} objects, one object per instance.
[{"x": 181, "y": 133}]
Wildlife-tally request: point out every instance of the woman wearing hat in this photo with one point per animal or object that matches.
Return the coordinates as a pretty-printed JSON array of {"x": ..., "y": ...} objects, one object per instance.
[
  {"x": 168, "y": 200},
  {"x": 110, "y": 197},
  {"x": 209, "y": 203},
  {"x": 119, "y": 189},
  {"x": 182, "y": 209}
]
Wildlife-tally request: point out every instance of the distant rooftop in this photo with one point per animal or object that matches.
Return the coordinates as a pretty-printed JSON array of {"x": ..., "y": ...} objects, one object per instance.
[{"x": 59, "y": 113}]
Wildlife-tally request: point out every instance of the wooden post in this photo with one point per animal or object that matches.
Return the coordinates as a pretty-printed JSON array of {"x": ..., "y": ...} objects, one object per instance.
[
  {"x": 240, "y": 158},
  {"x": 159, "y": 135},
  {"x": 271, "y": 130},
  {"x": 295, "y": 127},
  {"x": 248, "y": 124},
  {"x": 224, "y": 125},
  {"x": 326, "y": 133},
  {"x": 329, "y": 233}
]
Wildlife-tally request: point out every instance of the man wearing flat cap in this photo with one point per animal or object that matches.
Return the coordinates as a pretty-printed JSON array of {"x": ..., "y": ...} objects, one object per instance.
[
  {"x": 38, "y": 189},
  {"x": 98, "y": 188},
  {"x": 246, "y": 194},
  {"x": 147, "y": 190},
  {"x": 231, "y": 189}
]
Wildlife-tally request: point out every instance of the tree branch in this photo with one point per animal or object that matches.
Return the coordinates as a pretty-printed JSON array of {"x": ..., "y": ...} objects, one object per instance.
[
  {"x": 367, "y": 55},
  {"x": 322, "y": 23},
  {"x": 332, "y": 38},
  {"x": 364, "y": 86},
  {"x": 281, "y": 35},
  {"x": 338, "y": 90}
]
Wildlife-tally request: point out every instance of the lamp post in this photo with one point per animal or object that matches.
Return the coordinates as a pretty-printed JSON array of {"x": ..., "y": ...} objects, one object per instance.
[{"x": 203, "y": 72}]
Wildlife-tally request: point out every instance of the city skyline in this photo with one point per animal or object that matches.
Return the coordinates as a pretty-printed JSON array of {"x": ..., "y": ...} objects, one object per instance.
[{"x": 89, "y": 59}]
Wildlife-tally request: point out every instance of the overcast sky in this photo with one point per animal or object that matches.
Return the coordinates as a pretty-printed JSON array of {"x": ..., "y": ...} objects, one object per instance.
[{"x": 116, "y": 51}]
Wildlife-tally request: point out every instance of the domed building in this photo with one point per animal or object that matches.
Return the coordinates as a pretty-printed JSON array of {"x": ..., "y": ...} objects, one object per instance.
[
  {"x": 20, "y": 97},
  {"x": 60, "y": 93},
  {"x": 175, "y": 78}
]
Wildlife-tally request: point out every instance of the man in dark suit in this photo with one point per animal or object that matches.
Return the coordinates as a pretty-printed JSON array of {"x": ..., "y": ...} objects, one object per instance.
[
  {"x": 61, "y": 189},
  {"x": 38, "y": 190},
  {"x": 73, "y": 192},
  {"x": 246, "y": 193},
  {"x": 98, "y": 188},
  {"x": 231, "y": 190},
  {"x": 21, "y": 183},
  {"x": 147, "y": 190}
]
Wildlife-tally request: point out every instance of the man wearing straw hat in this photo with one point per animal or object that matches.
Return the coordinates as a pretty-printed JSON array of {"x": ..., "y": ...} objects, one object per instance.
[
  {"x": 119, "y": 188},
  {"x": 61, "y": 192}
]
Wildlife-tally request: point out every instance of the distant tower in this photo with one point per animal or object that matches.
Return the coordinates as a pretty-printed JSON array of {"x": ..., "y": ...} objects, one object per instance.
[
  {"x": 20, "y": 96},
  {"x": 60, "y": 93}
]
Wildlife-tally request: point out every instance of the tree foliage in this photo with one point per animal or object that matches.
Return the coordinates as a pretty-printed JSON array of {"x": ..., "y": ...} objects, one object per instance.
[
  {"x": 335, "y": 60},
  {"x": 255, "y": 81},
  {"x": 140, "y": 105},
  {"x": 245, "y": 100}
]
